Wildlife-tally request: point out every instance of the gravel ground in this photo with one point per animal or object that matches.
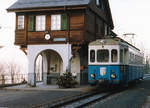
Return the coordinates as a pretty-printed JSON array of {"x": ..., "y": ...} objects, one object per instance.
[
  {"x": 26, "y": 99},
  {"x": 135, "y": 97}
]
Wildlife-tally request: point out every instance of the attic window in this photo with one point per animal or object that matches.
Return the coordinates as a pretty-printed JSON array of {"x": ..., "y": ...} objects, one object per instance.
[
  {"x": 59, "y": 22},
  {"x": 20, "y": 22}
]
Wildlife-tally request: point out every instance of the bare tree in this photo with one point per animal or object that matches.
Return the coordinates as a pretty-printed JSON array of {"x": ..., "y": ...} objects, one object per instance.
[{"x": 2, "y": 74}]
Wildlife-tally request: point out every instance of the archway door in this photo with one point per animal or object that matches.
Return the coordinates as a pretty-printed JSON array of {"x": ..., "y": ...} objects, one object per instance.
[
  {"x": 55, "y": 61},
  {"x": 51, "y": 68}
]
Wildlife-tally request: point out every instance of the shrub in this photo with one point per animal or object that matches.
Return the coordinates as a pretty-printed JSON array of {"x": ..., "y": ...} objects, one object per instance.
[{"x": 66, "y": 80}]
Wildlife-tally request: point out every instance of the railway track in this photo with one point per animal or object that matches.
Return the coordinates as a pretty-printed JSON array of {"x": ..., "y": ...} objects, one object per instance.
[
  {"x": 80, "y": 100},
  {"x": 80, "y": 103}
]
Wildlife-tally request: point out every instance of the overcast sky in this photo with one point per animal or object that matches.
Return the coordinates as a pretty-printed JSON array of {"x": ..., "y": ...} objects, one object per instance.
[
  {"x": 129, "y": 16},
  {"x": 132, "y": 16}
]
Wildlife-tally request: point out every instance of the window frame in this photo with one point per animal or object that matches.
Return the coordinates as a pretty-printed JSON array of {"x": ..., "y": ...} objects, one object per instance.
[
  {"x": 61, "y": 22},
  {"x": 91, "y": 60},
  {"x": 112, "y": 60},
  {"x": 108, "y": 56},
  {"x": 36, "y": 23},
  {"x": 20, "y": 22},
  {"x": 100, "y": 4},
  {"x": 55, "y": 16}
]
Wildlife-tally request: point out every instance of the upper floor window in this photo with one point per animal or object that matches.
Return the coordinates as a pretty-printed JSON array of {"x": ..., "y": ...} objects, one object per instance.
[
  {"x": 99, "y": 3},
  {"x": 20, "y": 22},
  {"x": 106, "y": 29},
  {"x": 59, "y": 22},
  {"x": 40, "y": 23}
]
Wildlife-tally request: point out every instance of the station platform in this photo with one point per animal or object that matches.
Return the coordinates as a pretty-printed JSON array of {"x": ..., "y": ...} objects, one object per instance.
[{"x": 41, "y": 87}]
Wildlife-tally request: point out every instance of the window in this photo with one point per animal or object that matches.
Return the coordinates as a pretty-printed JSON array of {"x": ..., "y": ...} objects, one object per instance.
[
  {"x": 99, "y": 3},
  {"x": 40, "y": 23},
  {"x": 114, "y": 55},
  {"x": 121, "y": 55},
  {"x": 106, "y": 29},
  {"x": 92, "y": 56},
  {"x": 20, "y": 22},
  {"x": 31, "y": 23},
  {"x": 102, "y": 56},
  {"x": 59, "y": 22}
]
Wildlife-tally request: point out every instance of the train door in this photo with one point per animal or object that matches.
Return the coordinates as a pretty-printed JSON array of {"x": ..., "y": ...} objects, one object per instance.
[{"x": 123, "y": 63}]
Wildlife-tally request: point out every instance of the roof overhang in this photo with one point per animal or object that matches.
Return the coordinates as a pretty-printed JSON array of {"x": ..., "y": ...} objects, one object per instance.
[{"x": 48, "y": 8}]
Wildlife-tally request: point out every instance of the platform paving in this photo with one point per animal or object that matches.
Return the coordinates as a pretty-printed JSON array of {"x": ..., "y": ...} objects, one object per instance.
[
  {"x": 23, "y": 96},
  {"x": 41, "y": 87}
]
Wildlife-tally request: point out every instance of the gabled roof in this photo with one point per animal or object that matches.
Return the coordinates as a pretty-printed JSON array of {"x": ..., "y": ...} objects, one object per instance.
[
  {"x": 39, "y": 5},
  {"x": 28, "y": 4}
]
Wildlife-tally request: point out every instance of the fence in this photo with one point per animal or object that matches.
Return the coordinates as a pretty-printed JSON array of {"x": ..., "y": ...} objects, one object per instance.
[{"x": 12, "y": 79}]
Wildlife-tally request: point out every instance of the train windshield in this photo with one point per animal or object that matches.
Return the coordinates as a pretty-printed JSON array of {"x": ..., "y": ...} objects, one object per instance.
[
  {"x": 114, "y": 55},
  {"x": 102, "y": 55}
]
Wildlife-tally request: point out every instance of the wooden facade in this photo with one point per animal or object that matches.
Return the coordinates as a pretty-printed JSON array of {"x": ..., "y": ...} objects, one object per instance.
[
  {"x": 63, "y": 28},
  {"x": 84, "y": 24}
]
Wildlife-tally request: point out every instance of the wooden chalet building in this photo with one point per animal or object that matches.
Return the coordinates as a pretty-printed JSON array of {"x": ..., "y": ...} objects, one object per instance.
[{"x": 60, "y": 31}]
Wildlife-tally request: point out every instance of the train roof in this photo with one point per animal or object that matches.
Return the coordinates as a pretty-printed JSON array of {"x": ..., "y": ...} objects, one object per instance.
[{"x": 112, "y": 41}]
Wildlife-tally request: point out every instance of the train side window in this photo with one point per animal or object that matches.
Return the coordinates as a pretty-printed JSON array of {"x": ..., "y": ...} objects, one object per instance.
[
  {"x": 92, "y": 56},
  {"x": 114, "y": 55},
  {"x": 102, "y": 56},
  {"x": 121, "y": 55}
]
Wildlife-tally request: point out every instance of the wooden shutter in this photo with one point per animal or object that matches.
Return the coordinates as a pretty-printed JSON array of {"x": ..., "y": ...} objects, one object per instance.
[
  {"x": 64, "y": 22},
  {"x": 31, "y": 23}
]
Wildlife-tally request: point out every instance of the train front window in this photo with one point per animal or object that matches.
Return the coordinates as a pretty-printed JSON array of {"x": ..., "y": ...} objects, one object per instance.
[
  {"x": 92, "y": 56},
  {"x": 102, "y": 56},
  {"x": 114, "y": 55}
]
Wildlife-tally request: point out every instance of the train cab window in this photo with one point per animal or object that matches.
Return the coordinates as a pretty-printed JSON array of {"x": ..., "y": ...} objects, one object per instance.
[
  {"x": 114, "y": 55},
  {"x": 102, "y": 56},
  {"x": 121, "y": 55},
  {"x": 92, "y": 56}
]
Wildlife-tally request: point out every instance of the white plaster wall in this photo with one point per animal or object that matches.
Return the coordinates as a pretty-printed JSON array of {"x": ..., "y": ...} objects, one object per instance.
[
  {"x": 64, "y": 50},
  {"x": 75, "y": 66}
]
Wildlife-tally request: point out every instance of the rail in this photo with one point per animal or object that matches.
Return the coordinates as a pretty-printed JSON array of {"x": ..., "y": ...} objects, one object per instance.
[{"x": 78, "y": 101}]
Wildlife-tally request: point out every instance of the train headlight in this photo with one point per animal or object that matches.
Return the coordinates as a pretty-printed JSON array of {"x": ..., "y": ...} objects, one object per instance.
[
  {"x": 113, "y": 76},
  {"x": 93, "y": 76}
]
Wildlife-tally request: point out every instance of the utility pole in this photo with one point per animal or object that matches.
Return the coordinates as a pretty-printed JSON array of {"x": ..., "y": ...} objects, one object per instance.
[{"x": 129, "y": 37}]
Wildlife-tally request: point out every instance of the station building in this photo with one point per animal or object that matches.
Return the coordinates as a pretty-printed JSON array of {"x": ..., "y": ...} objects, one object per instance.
[{"x": 59, "y": 31}]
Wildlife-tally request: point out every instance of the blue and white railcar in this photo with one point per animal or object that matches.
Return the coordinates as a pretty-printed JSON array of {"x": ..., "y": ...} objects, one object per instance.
[{"x": 114, "y": 61}]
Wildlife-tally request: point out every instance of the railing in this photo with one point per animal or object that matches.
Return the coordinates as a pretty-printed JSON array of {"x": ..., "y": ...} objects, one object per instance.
[{"x": 6, "y": 79}]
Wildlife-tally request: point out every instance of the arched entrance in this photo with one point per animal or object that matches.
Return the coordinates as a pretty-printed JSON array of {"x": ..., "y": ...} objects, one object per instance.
[
  {"x": 55, "y": 59},
  {"x": 48, "y": 66}
]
